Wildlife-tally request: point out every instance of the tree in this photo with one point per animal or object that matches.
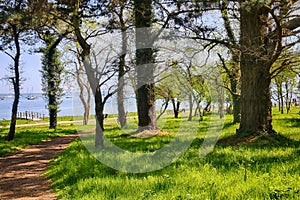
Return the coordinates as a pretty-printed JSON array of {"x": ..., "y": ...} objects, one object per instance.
[
  {"x": 98, "y": 75},
  {"x": 144, "y": 66},
  {"x": 51, "y": 75},
  {"x": 15, "y": 22},
  {"x": 284, "y": 80},
  {"x": 263, "y": 27},
  {"x": 120, "y": 20},
  {"x": 83, "y": 86},
  {"x": 170, "y": 89}
]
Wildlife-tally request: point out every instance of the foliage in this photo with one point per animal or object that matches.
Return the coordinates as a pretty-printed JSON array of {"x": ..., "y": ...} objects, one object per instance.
[{"x": 51, "y": 76}]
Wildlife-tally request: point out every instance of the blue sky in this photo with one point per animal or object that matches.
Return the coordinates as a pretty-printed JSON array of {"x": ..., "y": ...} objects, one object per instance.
[{"x": 30, "y": 66}]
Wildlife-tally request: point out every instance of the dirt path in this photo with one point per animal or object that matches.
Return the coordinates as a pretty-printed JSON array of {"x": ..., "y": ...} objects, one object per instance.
[{"x": 21, "y": 174}]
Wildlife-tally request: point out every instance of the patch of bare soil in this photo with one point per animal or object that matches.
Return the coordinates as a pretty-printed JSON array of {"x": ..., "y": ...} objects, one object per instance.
[
  {"x": 21, "y": 174},
  {"x": 149, "y": 133}
]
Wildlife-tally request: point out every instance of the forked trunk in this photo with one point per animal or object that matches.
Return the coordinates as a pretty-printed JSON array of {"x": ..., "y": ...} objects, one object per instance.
[{"x": 176, "y": 107}]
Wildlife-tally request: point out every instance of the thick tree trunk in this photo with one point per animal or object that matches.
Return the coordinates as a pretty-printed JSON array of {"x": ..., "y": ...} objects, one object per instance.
[
  {"x": 144, "y": 66},
  {"x": 16, "y": 85},
  {"x": 255, "y": 73},
  {"x": 146, "y": 108}
]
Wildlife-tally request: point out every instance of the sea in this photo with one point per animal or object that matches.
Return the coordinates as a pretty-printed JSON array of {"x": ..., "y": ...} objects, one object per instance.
[{"x": 70, "y": 105}]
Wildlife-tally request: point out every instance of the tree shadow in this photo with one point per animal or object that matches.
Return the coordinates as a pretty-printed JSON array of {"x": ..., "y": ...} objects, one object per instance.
[{"x": 290, "y": 122}]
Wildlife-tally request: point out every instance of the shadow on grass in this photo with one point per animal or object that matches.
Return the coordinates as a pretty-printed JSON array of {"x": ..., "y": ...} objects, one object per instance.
[{"x": 289, "y": 122}]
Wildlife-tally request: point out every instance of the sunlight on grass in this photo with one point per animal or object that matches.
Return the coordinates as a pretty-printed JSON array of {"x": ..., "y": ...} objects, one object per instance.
[
  {"x": 254, "y": 171},
  {"x": 31, "y": 135}
]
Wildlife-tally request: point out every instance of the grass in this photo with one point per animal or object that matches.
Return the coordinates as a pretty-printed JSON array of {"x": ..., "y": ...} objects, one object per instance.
[
  {"x": 31, "y": 135},
  {"x": 253, "y": 171}
]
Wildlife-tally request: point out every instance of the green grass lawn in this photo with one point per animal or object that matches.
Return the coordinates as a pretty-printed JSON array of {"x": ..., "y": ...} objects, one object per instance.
[{"x": 251, "y": 171}]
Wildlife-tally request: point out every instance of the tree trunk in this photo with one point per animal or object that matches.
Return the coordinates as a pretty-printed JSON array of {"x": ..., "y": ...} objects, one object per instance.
[
  {"x": 197, "y": 110},
  {"x": 83, "y": 86},
  {"x": 92, "y": 78},
  {"x": 52, "y": 111},
  {"x": 121, "y": 82},
  {"x": 176, "y": 107},
  {"x": 99, "y": 107},
  {"x": 13, "y": 120},
  {"x": 190, "y": 107},
  {"x": 52, "y": 72},
  {"x": 16, "y": 85},
  {"x": 163, "y": 108},
  {"x": 221, "y": 105},
  {"x": 281, "y": 101},
  {"x": 236, "y": 109},
  {"x": 234, "y": 87},
  {"x": 85, "y": 102},
  {"x": 144, "y": 66},
  {"x": 255, "y": 72}
]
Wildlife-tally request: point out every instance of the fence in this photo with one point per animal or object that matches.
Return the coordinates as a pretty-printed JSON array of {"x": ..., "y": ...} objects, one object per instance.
[{"x": 29, "y": 115}]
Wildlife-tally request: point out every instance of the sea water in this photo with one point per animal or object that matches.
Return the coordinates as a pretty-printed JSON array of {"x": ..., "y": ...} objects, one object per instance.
[
  {"x": 37, "y": 103},
  {"x": 70, "y": 105}
]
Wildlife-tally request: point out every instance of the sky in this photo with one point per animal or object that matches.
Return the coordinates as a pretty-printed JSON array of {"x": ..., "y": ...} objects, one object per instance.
[{"x": 30, "y": 66}]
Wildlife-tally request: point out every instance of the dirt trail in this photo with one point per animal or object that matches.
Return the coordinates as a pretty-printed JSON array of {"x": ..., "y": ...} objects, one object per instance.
[{"x": 21, "y": 174}]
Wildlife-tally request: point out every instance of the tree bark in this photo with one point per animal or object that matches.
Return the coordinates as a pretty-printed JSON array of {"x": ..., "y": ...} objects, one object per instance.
[
  {"x": 234, "y": 86},
  {"x": 52, "y": 72},
  {"x": 144, "y": 66},
  {"x": 93, "y": 81},
  {"x": 121, "y": 82},
  {"x": 83, "y": 86},
  {"x": 255, "y": 72},
  {"x": 99, "y": 107},
  {"x": 16, "y": 85}
]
